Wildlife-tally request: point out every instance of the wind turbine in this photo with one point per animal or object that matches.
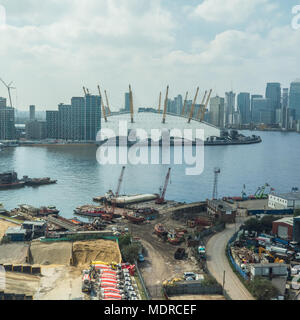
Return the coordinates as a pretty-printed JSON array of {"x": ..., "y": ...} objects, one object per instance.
[{"x": 8, "y": 86}]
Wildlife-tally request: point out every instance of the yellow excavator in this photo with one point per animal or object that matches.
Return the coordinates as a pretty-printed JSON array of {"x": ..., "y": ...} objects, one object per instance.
[{"x": 275, "y": 260}]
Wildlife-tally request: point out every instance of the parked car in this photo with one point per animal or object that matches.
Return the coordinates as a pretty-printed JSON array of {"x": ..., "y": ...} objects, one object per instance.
[{"x": 141, "y": 257}]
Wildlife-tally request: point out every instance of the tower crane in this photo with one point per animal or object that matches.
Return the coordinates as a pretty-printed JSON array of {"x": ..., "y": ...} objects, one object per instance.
[
  {"x": 184, "y": 104},
  {"x": 84, "y": 90},
  {"x": 165, "y": 106},
  {"x": 193, "y": 106},
  {"x": 161, "y": 199},
  {"x": 8, "y": 86},
  {"x": 205, "y": 106},
  {"x": 102, "y": 105}
]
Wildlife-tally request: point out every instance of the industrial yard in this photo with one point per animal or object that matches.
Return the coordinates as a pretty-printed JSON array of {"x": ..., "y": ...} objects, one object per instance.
[{"x": 146, "y": 247}]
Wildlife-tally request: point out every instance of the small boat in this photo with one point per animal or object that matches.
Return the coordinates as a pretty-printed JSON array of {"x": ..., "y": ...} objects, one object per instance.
[
  {"x": 135, "y": 217},
  {"x": 160, "y": 230},
  {"x": 37, "y": 181}
]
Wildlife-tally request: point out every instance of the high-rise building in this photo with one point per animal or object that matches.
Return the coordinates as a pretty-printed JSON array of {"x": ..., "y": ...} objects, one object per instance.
[
  {"x": 52, "y": 124},
  {"x": 254, "y": 96},
  {"x": 36, "y": 130},
  {"x": 284, "y": 107},
  {"x": 229, "y": 107},
  {"x": 217, "y": 111},
  {"x": 7, "y": 123},
  {"x": 127, "y": 101},
  {"x": 273, "y": 92},
  {"x": 92, "y": 117},
  {"x": 2, "y": 102},
  {"x": 262, "y": 111},
  {"x": 243, "y": 104},
  {"x": 32, "y": 113},
  {"x": 81, "y": 120},
  {"x": 294, "y": 98}
]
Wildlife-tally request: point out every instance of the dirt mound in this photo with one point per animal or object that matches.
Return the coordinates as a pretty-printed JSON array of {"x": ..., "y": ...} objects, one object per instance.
[
  {"x": 16, "y": 253},
  {"x": 99, "y": 250},
  {"x": 59, "y": 253}
]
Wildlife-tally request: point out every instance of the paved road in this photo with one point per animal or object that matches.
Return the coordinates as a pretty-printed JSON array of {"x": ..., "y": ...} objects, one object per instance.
[{"x": 217, "y": 262}]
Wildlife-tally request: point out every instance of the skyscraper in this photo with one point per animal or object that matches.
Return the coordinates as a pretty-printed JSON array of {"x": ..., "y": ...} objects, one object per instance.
[
  {"x": 92, "y": 117},
  {"x": 229, "y": 107},
  {"x": 284, "y": 106},
  {"x": 217, "y": 111},
  {"x": 7, "y": 123},
  {"x": 243, "y": 104},
  {"x": 294, "y": 99},
  {"x": 2, "y": 102},
  {"x": 273, "y": 92},
  {"x": 254, "y": 96},
  {"x": 262, "y": 111},
  {"x": 32, "y": 113}
]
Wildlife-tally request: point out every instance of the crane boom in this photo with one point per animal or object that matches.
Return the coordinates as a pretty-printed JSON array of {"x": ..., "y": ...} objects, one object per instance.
[
  {"x": 193, "y": 106},
  {"x": 84, "y": 90},
  {"x": 184, "y": 104},
  {"x": 102, "y": 105},
  {"x": 206, "y": 104},
  {"x": 165, "y": 106},
  {"x": 107, "y": 102},
  {"x": 201, "y": 105},
  {"x": 120, "y": 182},
  {"x": 161, "y": 199}
]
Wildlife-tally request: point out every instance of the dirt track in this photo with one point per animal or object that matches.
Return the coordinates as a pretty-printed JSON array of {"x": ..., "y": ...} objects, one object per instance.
[
  {"x": 4, "y": 225},
  {"x": 217, "y": 263}
]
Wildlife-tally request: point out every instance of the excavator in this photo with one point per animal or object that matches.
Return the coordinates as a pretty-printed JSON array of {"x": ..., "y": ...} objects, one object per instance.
[
  {"x": 275, "y": 260},
  {"x": 260, "y": 192}
]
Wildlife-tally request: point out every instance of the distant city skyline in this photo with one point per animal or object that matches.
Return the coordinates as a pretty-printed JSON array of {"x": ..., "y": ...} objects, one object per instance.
[{"x": 51, "y": 51}]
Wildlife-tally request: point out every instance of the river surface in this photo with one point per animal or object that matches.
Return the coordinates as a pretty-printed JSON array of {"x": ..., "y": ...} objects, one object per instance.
[{"x": 80, "y": 177}]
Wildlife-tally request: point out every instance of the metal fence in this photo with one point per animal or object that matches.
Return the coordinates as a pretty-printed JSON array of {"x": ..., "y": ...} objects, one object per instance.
[
  {"x": 142, "y": 282},
  {"x": 236, "y": 267}
]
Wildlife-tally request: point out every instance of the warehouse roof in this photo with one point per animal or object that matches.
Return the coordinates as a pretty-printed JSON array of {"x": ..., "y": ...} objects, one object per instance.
[
  {"x": 12, "y": 230},
  {"x": 289, "y": 196},
  {"x": 286, "y": 220}
]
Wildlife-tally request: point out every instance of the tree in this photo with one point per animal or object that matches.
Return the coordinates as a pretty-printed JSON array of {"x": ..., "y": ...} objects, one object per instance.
[
  {"x": 130, "y": 252},
  {"x": 253, "y": 224},
  {"x": 266, "y": 223},
  {"x": 263, "y": 289},
  {"x": 124, "y": 240}
]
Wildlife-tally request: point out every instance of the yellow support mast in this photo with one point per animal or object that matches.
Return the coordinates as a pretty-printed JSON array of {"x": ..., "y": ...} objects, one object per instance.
[{"x": 193, "y": 106}]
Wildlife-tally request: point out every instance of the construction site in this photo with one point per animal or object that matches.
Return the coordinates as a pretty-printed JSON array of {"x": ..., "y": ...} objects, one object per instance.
[{"x": 46, "y": 256}]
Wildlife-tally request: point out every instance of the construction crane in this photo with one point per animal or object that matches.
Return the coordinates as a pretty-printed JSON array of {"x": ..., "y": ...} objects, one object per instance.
[
  {"x": 184, "y": 104},
  {"x": 8, "y": 86},
  {"x": 201, "y": 105},
  {"x": 193, "y": 106},
  {"x": 115, "y": 196},
  {"x": 107, "y": 102},
  {"x": 205, "y": 106},
  {"x": 120, "y": 182},
  {"x": 131, "y": 103},
  {"x": 84, "y": 90},
  {"x": 159, "y": 102},
  {"x": 161, "y": 199},
  {"x": 165, "y": 106},
  {"x": 217, "y": 171},
  {"x": 102, "y": 105}
]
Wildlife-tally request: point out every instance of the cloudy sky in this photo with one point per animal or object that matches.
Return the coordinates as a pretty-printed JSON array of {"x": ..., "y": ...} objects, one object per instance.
[{"x": 51, "y": 48}]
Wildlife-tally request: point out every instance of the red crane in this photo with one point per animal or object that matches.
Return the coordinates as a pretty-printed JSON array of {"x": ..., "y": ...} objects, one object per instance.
[{"x": 161, "y": 199}]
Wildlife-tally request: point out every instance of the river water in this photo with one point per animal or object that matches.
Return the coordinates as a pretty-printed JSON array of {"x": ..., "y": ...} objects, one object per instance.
[{"x": 80, "y": 177}]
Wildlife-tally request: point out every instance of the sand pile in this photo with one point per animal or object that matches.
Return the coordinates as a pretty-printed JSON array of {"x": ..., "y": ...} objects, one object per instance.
[
  {"x": 97, "y": 250},
  {"x": 16, "y": 253},
  {"x": 59, "y": 253}
]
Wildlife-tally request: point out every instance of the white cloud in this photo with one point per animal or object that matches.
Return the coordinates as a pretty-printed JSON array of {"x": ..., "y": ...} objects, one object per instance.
[{"x": 228, "y": 11}]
